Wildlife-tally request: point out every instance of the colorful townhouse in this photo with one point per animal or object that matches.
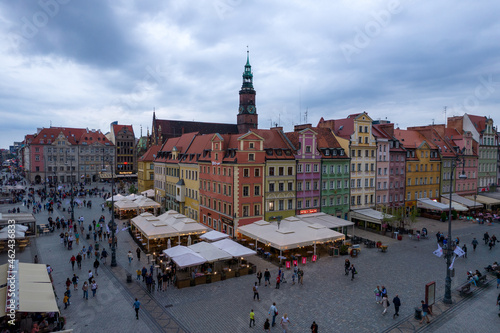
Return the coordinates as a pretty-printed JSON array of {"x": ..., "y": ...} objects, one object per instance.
[
  {"x": 423, "y": 167},
  {"x": 485, "y": 134},
  {"x": 308, "y": 162},
  {"x": 145, "y": 169},
  {"x": 279, "y": 176},
  {"x": 397, "y": 167},
  {"x": 382, "y": 179},
  {"x": 232, "y": 181},
  {"x": 357, "y": 128}
]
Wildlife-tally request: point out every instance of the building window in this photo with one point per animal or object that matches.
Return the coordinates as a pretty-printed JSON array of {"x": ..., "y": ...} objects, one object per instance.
[
  {"x": 299, "y": 186},
  {"x": 290, "y": 204},
  {"x": 246, "y": 191},
  {"x": 256, "y": 210},
  {"x": 271, "y": 187},
  {"x": 256, "y": 190},
  {"x": 271, "y": 171},
  {"x": 246, "y": 172},
  {"x": 281, "y": 205},
  {"x": 246, "y": 211},
  {"x": 256, "y": 172},
  {"x": 290, "y": 171},
  {"x": 271, "y": 206},
  {"x": 251, "y": 157}
]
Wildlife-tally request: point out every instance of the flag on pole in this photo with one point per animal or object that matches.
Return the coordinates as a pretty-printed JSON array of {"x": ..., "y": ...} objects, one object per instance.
[
  {"x": 452, "y": 262},
  {"x": 438, "y": 252},
  {"x": 459, "y": 252}
]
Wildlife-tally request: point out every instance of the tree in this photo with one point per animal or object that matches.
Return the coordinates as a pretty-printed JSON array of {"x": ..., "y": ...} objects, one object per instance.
[
  {"x": 132, "y": 189},
  {"x": 412, "y": 218}
]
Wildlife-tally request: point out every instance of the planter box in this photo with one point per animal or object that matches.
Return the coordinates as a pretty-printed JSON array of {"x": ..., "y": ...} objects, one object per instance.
[
  {"x": 243, "y": 271},
  {"x": 216, "y": 277},
  {"x": 230, "y": 274},
  {"x": 200, "y": 280},
  {"x": 183, "y": 283}
]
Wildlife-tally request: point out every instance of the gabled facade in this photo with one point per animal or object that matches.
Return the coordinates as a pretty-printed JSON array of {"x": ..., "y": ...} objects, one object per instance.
[
  {"x": 123, "y": 138},
  {"x": 357, "y": 128},
  {"x": 145, "y": 169},
  {"x": 423, "y": 167}
]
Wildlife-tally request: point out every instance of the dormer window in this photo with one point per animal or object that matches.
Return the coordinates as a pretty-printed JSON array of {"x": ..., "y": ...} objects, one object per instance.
[
  {"x": 334, "y": 152},
  {"x": 251, "y": 145},
  {"x": 327, "y": 152},
  {"x": 308, "y": 149}
]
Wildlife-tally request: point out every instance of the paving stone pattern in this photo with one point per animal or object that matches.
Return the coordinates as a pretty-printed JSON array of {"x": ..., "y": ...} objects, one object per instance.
[{"x": 328, "y": 296}]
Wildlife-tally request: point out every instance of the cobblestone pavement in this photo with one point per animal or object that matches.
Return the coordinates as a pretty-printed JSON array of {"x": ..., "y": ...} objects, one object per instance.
[{"x": 328, "y": 296}]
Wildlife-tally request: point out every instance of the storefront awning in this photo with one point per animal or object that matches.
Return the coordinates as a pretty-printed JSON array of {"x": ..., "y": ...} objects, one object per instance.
[
  {"x": 431, "y": 204},
  {"x": 454, "y": 205},
  {"x": 369, "y": 215},
  {"x": 485, "y": 200},
  {"x": 465, "y": 201}
]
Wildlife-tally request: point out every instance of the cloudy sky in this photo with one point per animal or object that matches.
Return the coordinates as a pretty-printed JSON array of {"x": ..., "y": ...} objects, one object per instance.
[{"x": 87, "y": 63}]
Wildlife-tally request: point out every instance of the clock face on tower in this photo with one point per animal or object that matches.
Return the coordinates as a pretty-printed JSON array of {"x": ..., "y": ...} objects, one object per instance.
[
  {"x": 242, "y": 108},
  {"x": 251, "y": 109}
]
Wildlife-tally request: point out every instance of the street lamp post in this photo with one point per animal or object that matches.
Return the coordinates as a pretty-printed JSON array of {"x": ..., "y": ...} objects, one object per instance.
[
  {"x": 449, "y": 245},
  {"x": 72, "y": 194},
  {"x": 112, "y": 222}
]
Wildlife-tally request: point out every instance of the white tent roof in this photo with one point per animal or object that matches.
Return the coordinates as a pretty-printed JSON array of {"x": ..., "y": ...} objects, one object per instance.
[
  {"x": 167, "y": 225},
  {"x": 210, "y": 252},
  {"x": 431, "y": 204},
  {"x": 177, "y": 251},
  {"x": 188, "y": 260},
  {"x": 326, "y": 220},
  {"x": 144, "y": 202},
  {"x": 214, "y": 235},
  {"x": 126, "y": 204},
  {"x": 35, "y": 289},
  {"x": 292, "y": 233},
  {"x": 485, "y": 200},
  {"x": 149, "y": 193},
  {"x": 234, "y": 249},
  {"x": 368, "y": 214},
  {"x": 117, "y": 197},
  {"x": 133, "y": 196}
]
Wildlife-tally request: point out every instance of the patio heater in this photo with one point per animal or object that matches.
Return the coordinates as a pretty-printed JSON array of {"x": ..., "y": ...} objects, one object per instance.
[{"x": 449, "y": 248}]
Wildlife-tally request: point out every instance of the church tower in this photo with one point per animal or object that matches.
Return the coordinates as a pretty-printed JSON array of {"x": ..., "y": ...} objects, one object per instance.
[{"x": 247, "y": 115}]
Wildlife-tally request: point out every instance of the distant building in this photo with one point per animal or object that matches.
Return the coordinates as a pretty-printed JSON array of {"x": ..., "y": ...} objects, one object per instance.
[
  {"x": 66, "y": 155},
  {"x": 123, "y": 138},
  {"x": 145, "y": 169}
]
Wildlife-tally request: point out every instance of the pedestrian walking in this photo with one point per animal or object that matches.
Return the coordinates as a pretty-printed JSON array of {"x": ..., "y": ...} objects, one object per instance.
[
  {"x": 252, "y": 318},
  {"x": 425, "y": 312},
  {"x": 138, "y": 251},
  {"x": 66, "y": 301},
  {"x": 385, "y": 304},
  {"x": 353, "y": 272},
  {"x": 314, "y": 327},
  {"x": 486, "y": 238},
  {"x": 285, "y": 321},
  {"x": 68, "y": 283},
  {"x": 91, "y": 276},
  {"x": 74, "y": 279},
  {"x": 295, "y": 274},
  {"x": 256, "y": 292},
  {"x": 130, "y": 257},
  {"x": 378, "y": 297},
  {"x": 267, "y": 277},
  {"x": 96, "y": 266},
  {"x": 144, "y": 271},
  {"x": 267, "y": 326},
  {"x": 464, "y": 248},
  {"x": 300, "y": 273},
  {"x": 104, "y": 255},
  {"x": 85, "y": 289},
  {"x": 72, "y": 261},
  {"x": 278, "y": 280},
  {"x": 397, "y": 304},
  {"x": 347, "y": 266},
  {"x": 79, "y": 260},
  {"x": 259, "y": 276},
  {"x": 383, "y": 291},
  {"x": 498, "y": 278},
  {"x": 94, "y": 288},
  {"x": 136, "y": 306},
  {"x": 474, "y": 243},
  {"x": 35, "y": 259},
  {"x": 498, "y": 303},
  {"x": 274, "y": 312},
  {"x": 139, "y": 273}
]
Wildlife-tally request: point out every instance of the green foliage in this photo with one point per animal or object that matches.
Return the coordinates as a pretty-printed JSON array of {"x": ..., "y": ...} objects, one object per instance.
[
  {"x": 343, "y": 249},
  {"x": 132, "y": 189},
  {"x": 454, "y": 214},
  {"x": 444, "y": 216}
]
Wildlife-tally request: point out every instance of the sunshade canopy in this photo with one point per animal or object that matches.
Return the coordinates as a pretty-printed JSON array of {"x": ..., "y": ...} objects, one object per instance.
[
  {"x": 431, "y": 204},
  {"x": 214, "y": 235},
  {"x": 369, "y": 215}
]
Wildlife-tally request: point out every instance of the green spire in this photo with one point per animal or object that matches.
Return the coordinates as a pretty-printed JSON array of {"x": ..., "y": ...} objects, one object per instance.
[{"x": 247, "y": 74}]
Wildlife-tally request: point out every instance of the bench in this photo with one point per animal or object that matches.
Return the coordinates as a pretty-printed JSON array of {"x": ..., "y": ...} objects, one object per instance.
[
  {"x": 482, "y": 280},
  {"x": 465, "y": 289}
]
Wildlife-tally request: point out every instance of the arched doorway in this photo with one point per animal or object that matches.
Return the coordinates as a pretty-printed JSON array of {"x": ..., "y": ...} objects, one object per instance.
[{"x": 38, "y": 179}]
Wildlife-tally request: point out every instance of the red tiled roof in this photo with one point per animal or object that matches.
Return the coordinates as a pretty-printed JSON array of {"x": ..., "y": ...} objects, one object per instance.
[
  {"x": 150, "y": 154},
  {"x": 411, "y": 139},
  {"x": 479, "y": 122},
  {"x": 117, "y": 128},
  {"x": 75, "y": 136}
]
